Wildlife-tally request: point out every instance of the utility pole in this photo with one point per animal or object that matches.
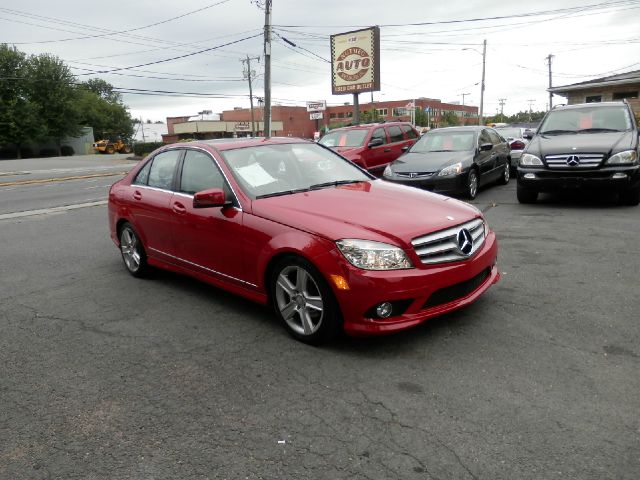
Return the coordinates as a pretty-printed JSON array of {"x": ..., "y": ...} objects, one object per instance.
[
  {"x": 531, "y": 102},
  {"x": 142, "y": 127},
  {"x": 484, "y": 61},
  {"x": 247, "y": 74},
  {"x": 267, "y": 69},
  {"x": 502, "y": 101},
  {"x": 549, "y": 58},
  {"x": 464, "y": 95}
]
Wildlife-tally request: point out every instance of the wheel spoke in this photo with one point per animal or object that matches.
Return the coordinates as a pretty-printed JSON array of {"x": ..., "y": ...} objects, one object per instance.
[
  {"x": 302, "y": 278},
  {"x": 314, "y": 303},
  {"x": 286, "y": 285},
  {"x": 307, "y": 323},
  {"x": 288, "y": 310}
]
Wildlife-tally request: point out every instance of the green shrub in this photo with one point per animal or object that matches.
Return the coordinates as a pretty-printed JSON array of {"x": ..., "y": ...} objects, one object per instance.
[
  {"x": 26, "y": 152},
  {"x": 48, "y": 152},
  {"x": 143, "y": 149}
]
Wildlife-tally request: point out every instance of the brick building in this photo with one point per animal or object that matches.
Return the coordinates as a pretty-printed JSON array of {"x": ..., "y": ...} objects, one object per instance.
[{"x": 295, "y": 122}]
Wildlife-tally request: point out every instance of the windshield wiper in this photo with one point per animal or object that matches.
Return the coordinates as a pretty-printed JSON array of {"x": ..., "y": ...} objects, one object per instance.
[
  {"x": 440, "y": 151},
  {"x": 588, "y": 130},
  {"x": 334, "y": 183},
  {"x": 283, "y": 192},
  {"x": 555, "y": 132}
]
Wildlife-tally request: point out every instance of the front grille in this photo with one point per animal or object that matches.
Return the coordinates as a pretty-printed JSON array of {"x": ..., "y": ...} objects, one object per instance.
[
  {"x": 573, "y": 161},
  {"x": 459, "y": 290},
  {"x": 414, "y": 174},
  {"x": 442, "y": 246}
]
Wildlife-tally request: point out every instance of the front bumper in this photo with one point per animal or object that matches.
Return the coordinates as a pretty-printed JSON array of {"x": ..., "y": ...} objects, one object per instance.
[
  {"x": 419, "y": 293},
  {"x": 447, "y": 185},
  {"x": 545, "y": 179}
]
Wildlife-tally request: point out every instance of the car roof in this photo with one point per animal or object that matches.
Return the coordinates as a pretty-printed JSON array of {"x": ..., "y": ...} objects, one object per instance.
[
  {"x": 590, "y": 105},
  {"x": 222, "y": 144},
  {"x": 466, "y": 128}
]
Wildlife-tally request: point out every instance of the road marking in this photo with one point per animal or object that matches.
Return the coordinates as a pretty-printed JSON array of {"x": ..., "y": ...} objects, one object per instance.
[
  {"x": 47, "y": 211},
  {"x": 61, "y": 179}
]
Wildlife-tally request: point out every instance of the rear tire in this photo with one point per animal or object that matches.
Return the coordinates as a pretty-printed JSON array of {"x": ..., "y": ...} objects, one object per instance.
[
  {"x": 630, "y": 197},
  {"x": 526, "y": 195},
  {"x": 132, "y": 250},
  {"x": 110, "y": 150},
  {"x": 126, "y": 149},
  {"x": 303, "y": 301},
  {"x": 506, "y": 175}
]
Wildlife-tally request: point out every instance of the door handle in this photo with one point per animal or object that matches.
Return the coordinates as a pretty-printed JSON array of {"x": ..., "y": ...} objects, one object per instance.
[
  {"x": 137, "y": 195},
  {"x": 179, "y": 208},
  {"x": 387, "y": 150}
]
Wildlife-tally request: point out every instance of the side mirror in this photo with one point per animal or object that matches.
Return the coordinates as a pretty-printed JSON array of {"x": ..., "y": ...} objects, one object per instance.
[
  {"x": 376, "y": 142},
  {"x": 213, "y": 197},
  {"x": 528, "y": 135},
  {"x": 406, "y": 148},
  {"x": 485, "y": 147}
]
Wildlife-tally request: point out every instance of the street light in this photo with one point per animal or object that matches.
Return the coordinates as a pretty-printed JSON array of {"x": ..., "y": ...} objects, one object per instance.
[{"x": 484, "y": 58}]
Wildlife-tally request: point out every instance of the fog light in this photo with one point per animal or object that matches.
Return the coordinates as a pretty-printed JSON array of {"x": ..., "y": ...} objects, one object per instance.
[
  {"x": 619, "y": 176},
  {"x": 529, "y": 176},
  {"x": 384, "y": 310}
]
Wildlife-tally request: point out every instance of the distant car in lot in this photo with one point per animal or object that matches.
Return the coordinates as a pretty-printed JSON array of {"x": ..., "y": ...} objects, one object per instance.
[
  {"x": 515, "y": 137},
  {"x": 591, "y": 145},
  {"x": 372, "y": 146},
  {"x": 290, "y": 223},
  {"x": 453, "y": 160}
]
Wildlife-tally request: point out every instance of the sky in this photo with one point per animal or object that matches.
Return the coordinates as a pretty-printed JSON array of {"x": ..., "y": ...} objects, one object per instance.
[{"x": 179, "y": 58}]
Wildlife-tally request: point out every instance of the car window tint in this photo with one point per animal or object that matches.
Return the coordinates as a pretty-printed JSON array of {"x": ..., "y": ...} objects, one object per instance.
[
  {"x": 143, "y": 175},
  {"x": 199, "y": 172},
  {"x": 379, "y": 133},
  {"x": 495, "y": 138},
  {"x": 163, "y": 169},
  {"x": 395, "y": 134},
  {"x": 408, "y": 131},
  {"x": 484, "y": 137}
]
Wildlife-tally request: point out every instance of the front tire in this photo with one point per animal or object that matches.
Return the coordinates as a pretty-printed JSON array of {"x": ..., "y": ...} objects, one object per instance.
[
  {"x": 506, "y": 175},
  {"x": 472, "y": 184},
  {"x": 132, "y": 250},
  {"x": 526, "y": 195},
  {"x": 303, "y": 301}
]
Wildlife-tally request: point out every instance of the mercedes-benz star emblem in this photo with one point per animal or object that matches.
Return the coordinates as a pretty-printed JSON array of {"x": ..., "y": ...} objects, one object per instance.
[
  {"x": 573, "y": 160},
  {"x": 465, "y": 241}
]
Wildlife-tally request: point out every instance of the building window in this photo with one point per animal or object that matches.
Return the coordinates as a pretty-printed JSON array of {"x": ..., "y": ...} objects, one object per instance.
[
  {"x": 332, "y": 115},
  {"x": 382, "y": 111},
  {"x": 340, "y": 114},
  {"x": 400, "y": 112},
  {"x": 593, "y": 99},
  {"x": 623, "y": 95}
]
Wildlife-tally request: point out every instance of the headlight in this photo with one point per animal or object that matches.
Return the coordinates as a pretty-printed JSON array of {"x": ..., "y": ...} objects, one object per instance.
[
  {"x": 370, "y": 255},
  {"x": 529, "y": 160},
  {"x": 455, "y": 169},
  {"x": 627, "y": 157},
  {"x": 387, "y": 171}
]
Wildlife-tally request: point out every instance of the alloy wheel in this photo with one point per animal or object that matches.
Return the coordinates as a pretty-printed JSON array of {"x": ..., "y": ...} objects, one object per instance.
[
  {"x": 130, "y": 248},
  {"x": 299, "y": 300}
]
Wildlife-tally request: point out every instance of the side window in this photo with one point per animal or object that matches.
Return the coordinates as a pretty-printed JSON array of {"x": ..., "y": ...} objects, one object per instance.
[
  {"x": 379, "y": 133},
  {"x": 163, "y": 169},
  {"x": 199, "y": 172},
  {"x": 409, "y": 132},
  {"x": 495, "y": 138},
  {"x": 395, "y": 134},
  {"x": 484, "y": 138},
  {"x": 143, "y": 175}
]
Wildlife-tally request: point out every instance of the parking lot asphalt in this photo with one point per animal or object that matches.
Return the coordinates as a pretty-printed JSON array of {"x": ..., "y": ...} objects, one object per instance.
[{"x": 108, "y": 377}]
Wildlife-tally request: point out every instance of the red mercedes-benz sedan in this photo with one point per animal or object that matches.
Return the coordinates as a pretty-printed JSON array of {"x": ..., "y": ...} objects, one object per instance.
[{"x": 291, "y": 223}]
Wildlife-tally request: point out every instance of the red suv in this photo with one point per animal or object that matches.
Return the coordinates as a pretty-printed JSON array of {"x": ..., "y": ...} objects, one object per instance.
[{"x": 372, "y": 146}]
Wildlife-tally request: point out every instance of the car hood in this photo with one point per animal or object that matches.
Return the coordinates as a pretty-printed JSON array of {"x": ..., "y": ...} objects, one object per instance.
[
  {"x": 605, "y": 143},
  {"x": 429, "y": 161},
  {"x": 376, "y": 210},
  {"x": 347, "y": 151}
]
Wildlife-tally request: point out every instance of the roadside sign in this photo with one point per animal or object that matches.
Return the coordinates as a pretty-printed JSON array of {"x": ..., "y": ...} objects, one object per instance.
[
  {"x": 318, "y": 106},
  {"x": 315, "y": 116},
  {"x": 427, "y": 109},
  {"x": 242, "y": 126}
]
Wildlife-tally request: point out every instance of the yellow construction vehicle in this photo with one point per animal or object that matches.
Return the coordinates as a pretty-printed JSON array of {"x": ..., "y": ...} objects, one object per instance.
[{"x": 112, "y": 144}]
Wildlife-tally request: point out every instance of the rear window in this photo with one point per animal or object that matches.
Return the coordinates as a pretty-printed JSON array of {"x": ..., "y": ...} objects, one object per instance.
[
  {"x": 345, "y": 138},
  {"x": 409, "y": 132}
]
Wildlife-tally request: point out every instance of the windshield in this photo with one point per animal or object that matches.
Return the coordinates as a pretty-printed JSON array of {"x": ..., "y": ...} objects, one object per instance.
[
  {"x": 269, "y": 170},
  {"x": 510, "y": 132},
  {"x": 345, "y": 138},
  {"x": 586, "y": 119},
  {"x": 435, "y": 141}
]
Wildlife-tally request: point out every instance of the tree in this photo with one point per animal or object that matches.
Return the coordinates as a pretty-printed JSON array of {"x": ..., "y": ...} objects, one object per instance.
[
  {"x": 101, "y": 108},
  {"x": 19, "y": 119},
  {"x": 51, "y": 87},
  {"x": 102, "y": 89},
  {"x": 449, "y": 119}
]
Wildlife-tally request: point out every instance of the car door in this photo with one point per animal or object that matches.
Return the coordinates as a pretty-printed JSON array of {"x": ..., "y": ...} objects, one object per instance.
[
  {"x": 208, "y": 240},
  {"x": 149, "y": 202},
  {"x": 485, "y": 159},
  {"x": 500, "y": 152},
  {"x": 376, "y": 158},
  {"x": 396, "y": 142}
]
